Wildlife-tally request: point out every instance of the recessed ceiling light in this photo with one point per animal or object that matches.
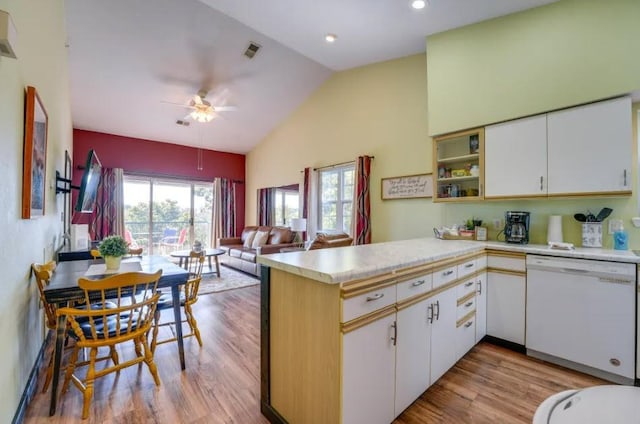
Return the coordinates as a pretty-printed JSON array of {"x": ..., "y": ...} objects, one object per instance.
[
  {"x": 330, "y": 38},
  {"x": 418, "y": 4}
]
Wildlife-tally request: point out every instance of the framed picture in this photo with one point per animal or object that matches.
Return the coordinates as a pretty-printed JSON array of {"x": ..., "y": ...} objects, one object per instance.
[
  {"x": 34, "y": 156},
  {"x": 407, "y": 187},
  {"x": 481, "y": 233}
]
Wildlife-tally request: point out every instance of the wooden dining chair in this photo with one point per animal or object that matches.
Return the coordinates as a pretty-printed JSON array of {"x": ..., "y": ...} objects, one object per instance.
[
  {"x": 136, "y": 299},
  {"x": 95, "y": 254},
  {"x": 188, "y": 297}
]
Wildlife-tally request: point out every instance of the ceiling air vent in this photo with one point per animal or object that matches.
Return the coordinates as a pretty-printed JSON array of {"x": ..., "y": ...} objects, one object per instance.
[
  {"x": 252, "y": 50},
  {"x": 183, "y": 123}
]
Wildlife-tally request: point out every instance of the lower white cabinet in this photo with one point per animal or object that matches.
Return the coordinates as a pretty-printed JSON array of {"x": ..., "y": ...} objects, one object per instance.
[
  {"x": 506, "y": 306},
  {"x": 481, "y": 306},
  {"x": 443, "y": 333},
  {"x": 413, "y": 351},
  {"x": 368, "y": 381}
]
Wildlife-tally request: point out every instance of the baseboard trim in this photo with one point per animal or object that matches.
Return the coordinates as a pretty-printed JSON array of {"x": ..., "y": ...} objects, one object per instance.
[
  {"x": 271, "y": 414},
  {"x": 505, "y": 343},
  {"x": 31, "y": 385}
]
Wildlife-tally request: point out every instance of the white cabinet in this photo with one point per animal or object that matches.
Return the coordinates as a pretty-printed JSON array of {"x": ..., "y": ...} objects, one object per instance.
[
  {"x": 582, "y": 150},
  {"x": 590, "y": 148},
  {"x": 481, "y": 306},
  {"x": 516, "y": 158},
  {"x": 369, "y": 373},
  {"x": 443, "y": 333},
  {"x": 413, "y": 352},
  {"x": 506, "y": 306}
]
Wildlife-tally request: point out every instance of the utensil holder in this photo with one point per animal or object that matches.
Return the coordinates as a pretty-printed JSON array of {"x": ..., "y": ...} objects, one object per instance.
[{"x": 592, "y": 234}]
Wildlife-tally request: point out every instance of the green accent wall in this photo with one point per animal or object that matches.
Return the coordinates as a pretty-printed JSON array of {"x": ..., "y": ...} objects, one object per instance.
[{"x": 550, "y": 57}]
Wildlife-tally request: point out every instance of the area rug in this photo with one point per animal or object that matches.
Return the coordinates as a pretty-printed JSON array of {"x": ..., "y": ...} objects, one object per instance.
[{"x": 229, "y": 279}]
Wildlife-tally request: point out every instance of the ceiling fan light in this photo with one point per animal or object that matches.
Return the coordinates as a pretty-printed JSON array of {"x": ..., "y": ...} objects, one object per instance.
[
  {"x": 418, "y": 4},
  {"x": 201, "y": 116}
]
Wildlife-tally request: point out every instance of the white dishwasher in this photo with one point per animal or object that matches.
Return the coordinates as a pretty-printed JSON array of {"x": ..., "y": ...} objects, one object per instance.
[{"x": 584, "y": 312}]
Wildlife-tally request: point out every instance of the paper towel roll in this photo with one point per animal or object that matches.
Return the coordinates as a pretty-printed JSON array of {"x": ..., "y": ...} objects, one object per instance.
[{"x": 554, "y": 229}]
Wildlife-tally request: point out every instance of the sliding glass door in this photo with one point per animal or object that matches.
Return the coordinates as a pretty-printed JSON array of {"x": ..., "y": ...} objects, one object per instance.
[{"x": 165, "y": 215}]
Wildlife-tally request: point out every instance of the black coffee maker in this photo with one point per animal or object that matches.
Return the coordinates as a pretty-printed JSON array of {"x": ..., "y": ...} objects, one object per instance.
[{"x": 516, "y": 227}]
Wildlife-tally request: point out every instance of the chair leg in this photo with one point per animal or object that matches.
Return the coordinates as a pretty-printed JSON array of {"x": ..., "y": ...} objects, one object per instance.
[
  {"x": 148, "y": 359},
  {"x": 49, "y": 375},
  {"x": 71, "y": 367},
  {"x": 154, "y": 338},
  {"x": 192, "y": 323},
  {"x": 114, "y": 355},
  {"x": 91, "y": 376}
]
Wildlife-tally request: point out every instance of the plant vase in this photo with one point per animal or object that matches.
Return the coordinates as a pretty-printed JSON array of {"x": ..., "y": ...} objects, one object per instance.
[{"x": 112, "y": 262}]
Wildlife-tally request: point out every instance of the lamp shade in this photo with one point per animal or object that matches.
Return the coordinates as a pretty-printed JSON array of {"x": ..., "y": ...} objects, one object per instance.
[{"x": 298, "y": 224}]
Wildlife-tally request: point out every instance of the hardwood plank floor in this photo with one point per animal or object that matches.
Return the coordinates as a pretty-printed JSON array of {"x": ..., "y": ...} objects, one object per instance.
[{"x": 222, "y": 381}]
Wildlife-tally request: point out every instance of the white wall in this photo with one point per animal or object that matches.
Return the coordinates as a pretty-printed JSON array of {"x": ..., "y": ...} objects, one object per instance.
[{"x": 42, "y": 63}]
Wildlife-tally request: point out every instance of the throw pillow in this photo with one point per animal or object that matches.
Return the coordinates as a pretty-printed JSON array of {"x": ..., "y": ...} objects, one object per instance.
[
  {"x": 260, "y": 239},
  {"x": 249, "y": 240}
]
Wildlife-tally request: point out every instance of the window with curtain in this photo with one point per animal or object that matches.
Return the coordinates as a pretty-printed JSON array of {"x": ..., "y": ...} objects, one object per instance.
[
  {"x": 287, "y": 206},
  {"x": 335, "y": 199}
]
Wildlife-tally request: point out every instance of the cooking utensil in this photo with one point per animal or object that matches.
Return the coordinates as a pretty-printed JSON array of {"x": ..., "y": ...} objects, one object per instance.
[
  {"x": 580, "y": 217},
  {"x": 603, "y": 214},
  {"x": 590, "y": 216}
]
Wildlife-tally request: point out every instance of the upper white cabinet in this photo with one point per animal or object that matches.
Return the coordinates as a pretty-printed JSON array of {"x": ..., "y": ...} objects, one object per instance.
[
  {"x": 590, "y": 148},
  {"x": 586, "y": 150},
  {"x": 516, "y": 158}
]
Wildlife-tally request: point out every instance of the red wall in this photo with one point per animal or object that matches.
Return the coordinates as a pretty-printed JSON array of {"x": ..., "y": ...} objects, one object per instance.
[{"x": 153, "y": 158}]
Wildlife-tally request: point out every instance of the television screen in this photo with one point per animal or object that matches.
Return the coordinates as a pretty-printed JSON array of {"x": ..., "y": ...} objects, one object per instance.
[{"x": 89, "y": 185}]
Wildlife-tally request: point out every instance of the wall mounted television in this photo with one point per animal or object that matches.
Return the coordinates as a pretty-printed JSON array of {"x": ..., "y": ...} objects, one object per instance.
[{"x": 89, "y": 185}]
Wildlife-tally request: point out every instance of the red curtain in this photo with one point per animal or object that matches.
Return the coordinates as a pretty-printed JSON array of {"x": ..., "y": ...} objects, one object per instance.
[
  {"x": 266, "y": 207},
  {"x": 362, "y": 203},
  {"x": 228, "y": 198},
  {"x": 104, "y": 216}
]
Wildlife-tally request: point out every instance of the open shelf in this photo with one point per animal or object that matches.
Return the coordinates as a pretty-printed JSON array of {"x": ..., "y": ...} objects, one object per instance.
[{"x": 463, "y": 158}]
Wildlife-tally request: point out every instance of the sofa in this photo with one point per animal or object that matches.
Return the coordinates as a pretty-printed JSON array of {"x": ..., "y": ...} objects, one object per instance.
[{"x": 241, "y": 252}]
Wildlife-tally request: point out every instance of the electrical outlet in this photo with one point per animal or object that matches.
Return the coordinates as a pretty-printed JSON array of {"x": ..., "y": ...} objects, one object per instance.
[
  {"x": 614, "y": 224},
  {"x": 497, "y": 224}
]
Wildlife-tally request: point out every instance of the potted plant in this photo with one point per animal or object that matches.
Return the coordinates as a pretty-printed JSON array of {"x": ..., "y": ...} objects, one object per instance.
[{"x": 112, "y": 249}]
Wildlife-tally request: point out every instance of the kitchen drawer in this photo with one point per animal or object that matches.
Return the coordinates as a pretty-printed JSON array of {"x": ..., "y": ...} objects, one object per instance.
[
  {"x": 465, "y": 336},
  {"x": 465, "y": 307},
  {"x": 505, "y": 262},
  {"x": 444, "y": 276},
  {"x": 368, "y": 302},
  {"x": 415, "y": 286},
  {"x": 467, "y": 268},
  {"x": 469, "y": 286}
]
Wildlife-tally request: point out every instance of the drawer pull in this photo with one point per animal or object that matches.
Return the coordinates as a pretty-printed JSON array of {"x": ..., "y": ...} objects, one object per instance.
[
  {"x": 466, "y": 305},
  {"x": 469, "y": 324},
  {"x": 468, "y": 284},
  {"x": 447, "y": 273},
  {"x": 375, "y": 297},
  {"x": 469, "y": 265},
  {"x": 418, "y": 283}
]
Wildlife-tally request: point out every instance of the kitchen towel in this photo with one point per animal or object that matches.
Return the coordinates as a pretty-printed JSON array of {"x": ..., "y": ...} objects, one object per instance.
[{"x": 554, "y": 229}]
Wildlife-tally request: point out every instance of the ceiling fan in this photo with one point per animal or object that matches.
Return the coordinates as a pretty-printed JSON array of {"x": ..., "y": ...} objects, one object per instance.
[{"x": 202, "y": 110}]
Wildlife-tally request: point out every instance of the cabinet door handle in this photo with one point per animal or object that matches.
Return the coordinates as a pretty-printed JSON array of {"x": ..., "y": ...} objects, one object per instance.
[
  {"x": 447, "y": 273},
  {"x": 466, "y": 305},
  {"x": 625, "y": 177},
  {"x": 418, "y": 283},
  {"x": 469, "y": 324},
  {"x": 479, "y": 286},
  {"x": 394, "y": 339},
  {"x": 541, "y": 182},
  {"x": 437, "y": 314},
  {"x": 430, "y": 313},
  {"x": 375, "y": 297},
  {"x": 469, "y": 265},
  {"x": 468, "y": 284}
]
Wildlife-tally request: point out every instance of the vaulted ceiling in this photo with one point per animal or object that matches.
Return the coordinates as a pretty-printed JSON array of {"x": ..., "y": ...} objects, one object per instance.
[{"x": 134, "y": 64}]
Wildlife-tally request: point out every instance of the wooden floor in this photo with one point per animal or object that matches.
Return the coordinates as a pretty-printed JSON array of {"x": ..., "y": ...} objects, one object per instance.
[{"x": 222, "y": 381}]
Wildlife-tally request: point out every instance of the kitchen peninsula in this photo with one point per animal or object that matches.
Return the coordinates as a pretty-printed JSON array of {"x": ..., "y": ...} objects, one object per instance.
[{"x": 356, "y": 334}]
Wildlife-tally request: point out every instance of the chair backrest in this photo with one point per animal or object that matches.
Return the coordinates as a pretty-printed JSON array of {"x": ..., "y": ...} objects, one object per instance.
[
  {"x": 135, "y": 297},
  {"x": 42, "y": 273},
  {"x": 134, "y": 252},
  {"x": 196, "y": 262},
  {"x": 182, "y": 237},
  {"x": 95, "y": 254}
]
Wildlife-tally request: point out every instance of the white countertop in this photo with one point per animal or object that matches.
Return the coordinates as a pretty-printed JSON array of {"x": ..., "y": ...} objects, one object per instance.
[{"x": 340, "y": 264}]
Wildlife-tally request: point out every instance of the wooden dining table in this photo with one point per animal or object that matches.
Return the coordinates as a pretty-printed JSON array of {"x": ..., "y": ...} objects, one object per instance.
[{"x": 63, "y": 288}]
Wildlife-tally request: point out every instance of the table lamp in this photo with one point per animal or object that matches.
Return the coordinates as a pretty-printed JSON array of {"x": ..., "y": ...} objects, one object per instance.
[{"x": 298, "y": 225}]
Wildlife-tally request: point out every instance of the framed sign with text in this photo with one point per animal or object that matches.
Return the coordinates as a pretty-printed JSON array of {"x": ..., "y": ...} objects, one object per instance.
[{"x": 407, "y": 187}]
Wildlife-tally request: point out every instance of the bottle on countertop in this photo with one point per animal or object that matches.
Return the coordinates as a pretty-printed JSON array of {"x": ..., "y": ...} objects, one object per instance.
[{"x": 620, "y": 238}]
